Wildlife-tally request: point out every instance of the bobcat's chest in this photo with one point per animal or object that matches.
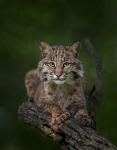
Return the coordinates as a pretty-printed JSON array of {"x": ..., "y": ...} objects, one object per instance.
[{"x": 61, "y": 95}]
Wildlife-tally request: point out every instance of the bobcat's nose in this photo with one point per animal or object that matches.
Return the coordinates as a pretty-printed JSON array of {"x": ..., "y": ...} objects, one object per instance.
[{"x": 58, "y": 72}]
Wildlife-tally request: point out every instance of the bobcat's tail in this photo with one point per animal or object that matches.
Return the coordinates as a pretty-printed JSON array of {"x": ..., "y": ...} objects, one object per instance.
[{"x": 97, "y": 89}]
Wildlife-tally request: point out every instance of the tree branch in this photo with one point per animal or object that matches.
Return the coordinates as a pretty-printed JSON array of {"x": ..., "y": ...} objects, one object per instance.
[{"x": 70, "y": 136}]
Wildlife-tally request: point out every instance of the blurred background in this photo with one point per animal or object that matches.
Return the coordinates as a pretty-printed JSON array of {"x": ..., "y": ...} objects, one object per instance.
[{"x": 23, "y": 24}]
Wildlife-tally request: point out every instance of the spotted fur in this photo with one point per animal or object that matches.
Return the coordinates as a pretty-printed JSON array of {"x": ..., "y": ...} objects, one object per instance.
[{"x": 57, "y": 83}]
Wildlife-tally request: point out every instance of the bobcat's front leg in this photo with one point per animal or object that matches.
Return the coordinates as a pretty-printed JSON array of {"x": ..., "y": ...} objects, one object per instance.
[
  {"x": 31, "y": 83},
  {"x": 58, "y": 116},
  {"x": 79, "y": 111},
  {"x": 84, "y": 119},
  {"x": 79, "y": 107}
]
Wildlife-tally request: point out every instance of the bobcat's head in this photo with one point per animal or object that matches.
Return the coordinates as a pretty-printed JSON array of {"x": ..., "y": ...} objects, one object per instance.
[{"x": 60, "y": 64}]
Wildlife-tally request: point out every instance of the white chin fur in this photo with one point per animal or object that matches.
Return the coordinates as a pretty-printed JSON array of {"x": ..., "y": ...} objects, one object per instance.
[{"x": 59, "y": 81}]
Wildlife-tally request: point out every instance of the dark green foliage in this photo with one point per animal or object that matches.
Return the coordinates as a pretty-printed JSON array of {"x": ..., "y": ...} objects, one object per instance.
[{"x": 23, "y": 24}]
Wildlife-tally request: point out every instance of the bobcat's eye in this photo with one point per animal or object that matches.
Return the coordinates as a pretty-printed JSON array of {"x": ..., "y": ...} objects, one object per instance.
[
  {"x": 52, "y": 64},
  {"x": 66, "y": 64}
]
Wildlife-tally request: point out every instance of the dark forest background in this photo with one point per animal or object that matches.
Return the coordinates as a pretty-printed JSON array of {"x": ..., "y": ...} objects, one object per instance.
[{"x": 23, "y": 24}]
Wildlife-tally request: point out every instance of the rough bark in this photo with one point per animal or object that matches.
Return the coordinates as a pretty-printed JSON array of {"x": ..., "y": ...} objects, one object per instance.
[{"x": 70, "y": 136}]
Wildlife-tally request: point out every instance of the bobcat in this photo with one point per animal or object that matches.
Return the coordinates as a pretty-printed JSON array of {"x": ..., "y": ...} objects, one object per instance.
[{"x": 58, "y": 83}]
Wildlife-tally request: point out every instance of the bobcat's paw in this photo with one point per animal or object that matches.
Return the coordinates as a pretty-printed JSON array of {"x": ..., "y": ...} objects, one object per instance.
[
  {"x": 85, "y": 120},
  {"x": 59, "y": 119},
  {"x": 63, "y": 117}
]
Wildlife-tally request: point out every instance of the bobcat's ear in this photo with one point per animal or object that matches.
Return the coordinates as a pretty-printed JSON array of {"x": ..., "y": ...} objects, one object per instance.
[
  {"x": 45, "y": 48},
  {"x": 75, "y": 49}
]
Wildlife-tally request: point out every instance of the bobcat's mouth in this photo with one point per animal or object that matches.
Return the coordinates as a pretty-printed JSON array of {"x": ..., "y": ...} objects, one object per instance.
[{"x": 59, "y": 81}]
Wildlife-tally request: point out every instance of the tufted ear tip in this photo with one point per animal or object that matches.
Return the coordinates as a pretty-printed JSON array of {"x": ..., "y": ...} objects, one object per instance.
[
  {"x": 43, "y": 45},
  {"x": 45, "y": 48},
  {"x": 75, "y": 48}
]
